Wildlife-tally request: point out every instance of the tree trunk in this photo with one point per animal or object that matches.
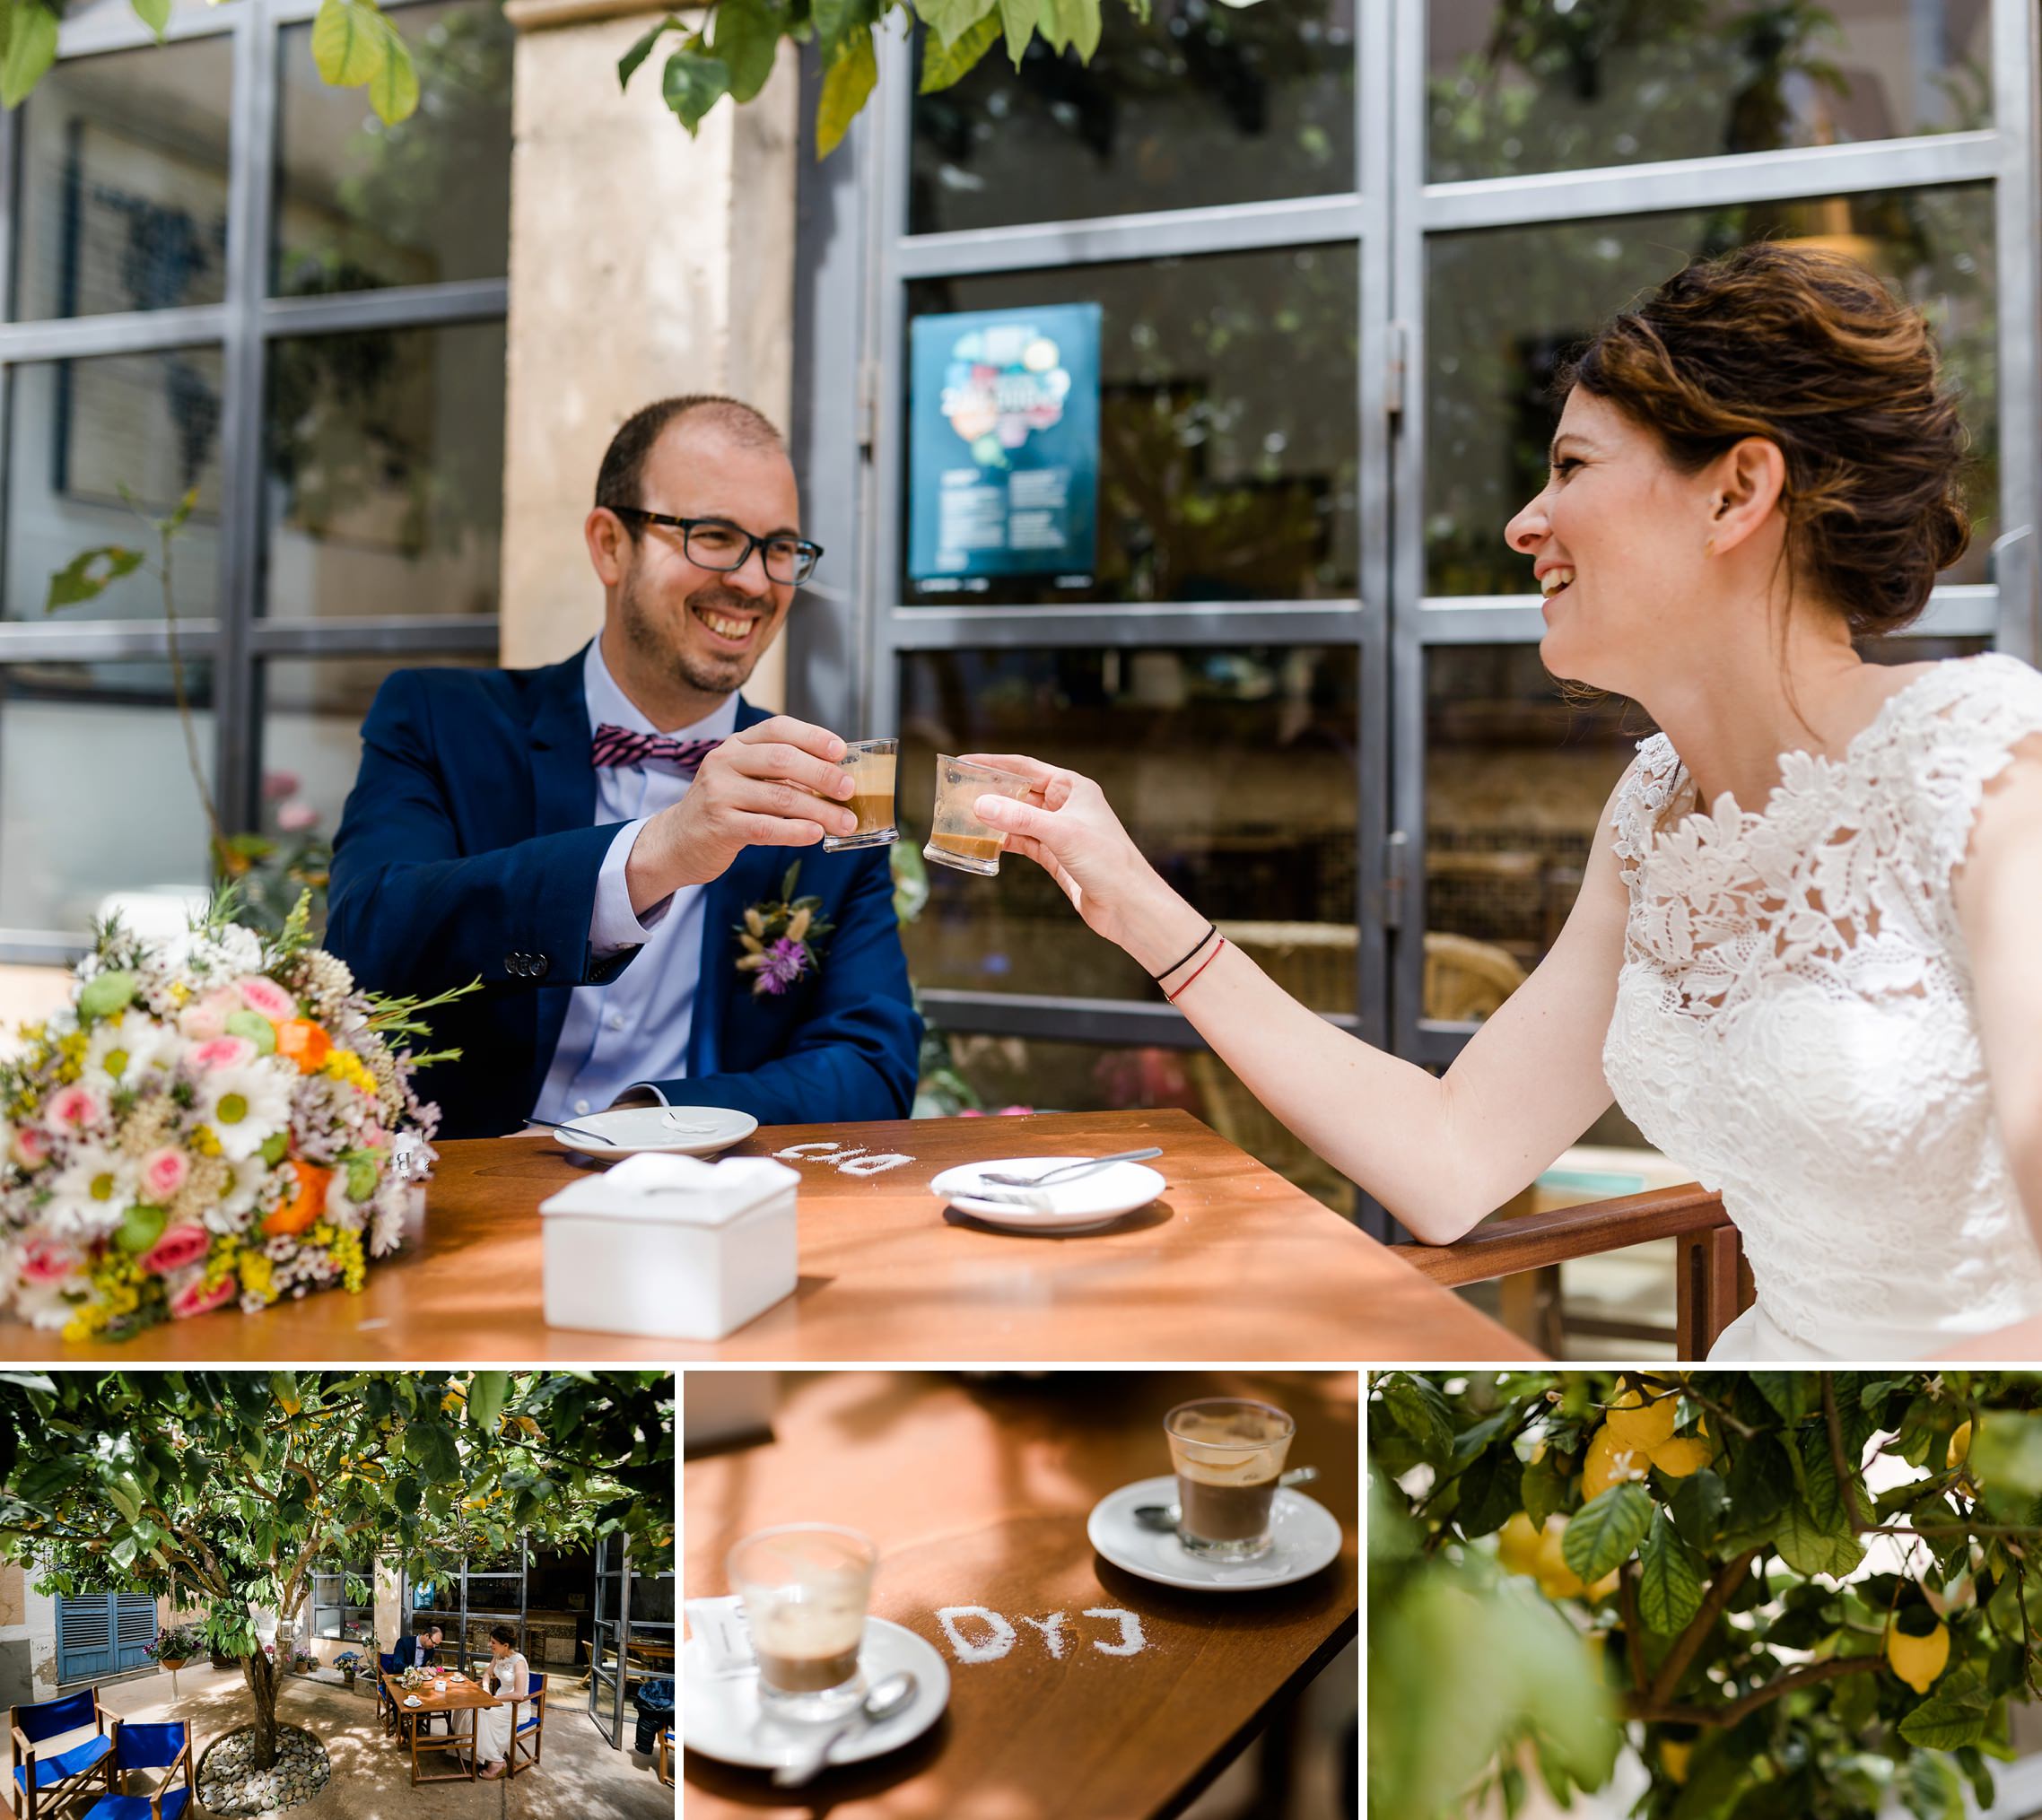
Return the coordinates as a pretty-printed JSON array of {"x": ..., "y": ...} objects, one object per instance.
[{"x": 260, "y": 1672}]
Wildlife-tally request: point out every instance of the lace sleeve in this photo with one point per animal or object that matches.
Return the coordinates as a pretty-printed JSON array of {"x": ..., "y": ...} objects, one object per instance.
[
  {"x": 1964, "y": 738},
  {"x": 1642, "y": 796}
]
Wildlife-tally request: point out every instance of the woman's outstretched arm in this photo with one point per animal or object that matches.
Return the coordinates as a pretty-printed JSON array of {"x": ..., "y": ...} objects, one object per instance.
[{"x": 1438, "y": 1152}]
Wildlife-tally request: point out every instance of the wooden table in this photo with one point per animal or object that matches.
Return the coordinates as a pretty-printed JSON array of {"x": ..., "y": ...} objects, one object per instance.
[
  {"x": 462, "y": 1695},
  {"x": 1231, "y": 1263},
  {"x": 976, "y": 1494}
]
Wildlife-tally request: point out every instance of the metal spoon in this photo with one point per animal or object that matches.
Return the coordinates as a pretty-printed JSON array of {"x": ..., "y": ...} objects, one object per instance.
[
  {"x": 1070, "y": 1172},
  {"x": 578, "y": 1130},
  {"x": 893, "y": 1696},
  {"x": 1165, "y": 1516}
]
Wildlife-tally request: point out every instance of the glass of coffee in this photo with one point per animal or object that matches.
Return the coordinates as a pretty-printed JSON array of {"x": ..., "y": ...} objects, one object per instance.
[
  {"x": 805, "y": 1588},
  {"x": 1229, "y": 1454},
  {"x": 960, "y": 838},
  {"x": 870, "y": 762}
]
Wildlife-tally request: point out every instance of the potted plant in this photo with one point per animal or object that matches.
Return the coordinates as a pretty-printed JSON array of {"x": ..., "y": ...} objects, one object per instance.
[
  {"x": 177, "y": 1644},
  {"x": 303, "y": 1662},
  {"x": 351, "y": 1663}
]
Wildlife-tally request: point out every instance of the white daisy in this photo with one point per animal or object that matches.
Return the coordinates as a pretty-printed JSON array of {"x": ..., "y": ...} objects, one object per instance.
[
  {"x": 88, "y": 1196},
  {"x": 124, "y": 1049},
  {"x": 246, "y": 1106}
]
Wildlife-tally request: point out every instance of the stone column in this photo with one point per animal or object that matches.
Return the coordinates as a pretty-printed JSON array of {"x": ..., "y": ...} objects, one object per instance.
[{"x": 642, "y": 263}]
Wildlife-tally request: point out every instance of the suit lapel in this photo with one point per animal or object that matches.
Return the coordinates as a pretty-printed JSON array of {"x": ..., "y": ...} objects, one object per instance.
[{"x": 563, "y": 796}]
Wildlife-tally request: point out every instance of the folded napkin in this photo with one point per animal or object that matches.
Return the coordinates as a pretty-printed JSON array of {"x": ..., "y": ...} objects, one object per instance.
[
  {"x": 683, "y": 1188},
  {"x": 722, "y": 1639}
]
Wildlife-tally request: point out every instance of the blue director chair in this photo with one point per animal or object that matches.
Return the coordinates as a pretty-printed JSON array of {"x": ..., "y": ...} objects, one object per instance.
[
  {"x": 42, "y": 1778},
  {"x": 136, "y": 1747}
]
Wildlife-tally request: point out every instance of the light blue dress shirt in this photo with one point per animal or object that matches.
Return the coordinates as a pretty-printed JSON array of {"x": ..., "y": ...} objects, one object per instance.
[{"x": 635, "y": 1028}]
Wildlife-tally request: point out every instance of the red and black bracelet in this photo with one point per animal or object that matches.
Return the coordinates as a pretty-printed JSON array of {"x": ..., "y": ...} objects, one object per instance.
[{"x": 1174, "y": 997}]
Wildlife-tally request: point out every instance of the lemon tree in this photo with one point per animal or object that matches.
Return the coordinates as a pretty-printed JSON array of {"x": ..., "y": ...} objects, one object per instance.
[
  {"x": 1791, "y": 1593},
  {"x": 230, "y": 1487}
]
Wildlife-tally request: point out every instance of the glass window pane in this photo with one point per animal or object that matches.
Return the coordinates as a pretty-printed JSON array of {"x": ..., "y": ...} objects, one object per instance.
[
  {"x": 80, "y": 434},
  {"x": 121, "y": 195},
  {"x": 360, "y": 205},
  {"x": 1000, "y": 1073},
  {"x": 1229, "y": 426},
  {"x": 1514, "y": 88},
  {"x": 1505, "y": 307},
  {"x": 384, "y": 455},
  {"x": 1235, "y": 771},
  {"x": 111, "y": 732},
  {"x": 1205, "y": 103},
  {"x": 313, "y": 709}
]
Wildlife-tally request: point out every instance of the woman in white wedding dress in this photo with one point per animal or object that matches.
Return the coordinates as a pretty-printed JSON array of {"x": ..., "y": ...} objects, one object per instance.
[{"x": 1828, "y": 1006}]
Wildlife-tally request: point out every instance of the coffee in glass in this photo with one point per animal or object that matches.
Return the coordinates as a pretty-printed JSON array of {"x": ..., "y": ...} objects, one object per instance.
[
  {"x": 1228, "y": 1453},
  {"x": 872, "y": 763},
  {"x": 806, "y": 1588},
  {"x": 959, "y": 839}
]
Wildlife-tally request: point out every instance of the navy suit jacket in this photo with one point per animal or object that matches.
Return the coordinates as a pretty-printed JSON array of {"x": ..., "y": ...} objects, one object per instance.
[{"x": 468, "y": 849}]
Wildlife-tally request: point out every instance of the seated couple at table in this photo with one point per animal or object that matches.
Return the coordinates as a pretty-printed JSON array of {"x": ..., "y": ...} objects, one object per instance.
[
  {"x": 1828, "y": 1010},
  {"x": 591, "y": 838}
]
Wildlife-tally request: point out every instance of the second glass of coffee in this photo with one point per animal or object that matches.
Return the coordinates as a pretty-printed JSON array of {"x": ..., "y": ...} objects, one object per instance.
[
  {"x": 806, "y": 1587},
  {"x": 1229, "y": 1454},
  {"x": 958, "y": 838},
  {"x": 872, "y": 763}
]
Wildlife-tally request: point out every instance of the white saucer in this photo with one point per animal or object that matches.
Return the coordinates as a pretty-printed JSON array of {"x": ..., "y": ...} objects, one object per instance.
[
  {"x": 645, "y": 1127},
  {"x": 1090, "y": 1200},
  {"x": 1307, "y": 1538},
  {"x": 721, "y": 1717}
]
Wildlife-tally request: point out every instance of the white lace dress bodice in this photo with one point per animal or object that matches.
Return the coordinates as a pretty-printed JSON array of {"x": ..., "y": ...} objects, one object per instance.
[{"x": 1796, "y": 1021}]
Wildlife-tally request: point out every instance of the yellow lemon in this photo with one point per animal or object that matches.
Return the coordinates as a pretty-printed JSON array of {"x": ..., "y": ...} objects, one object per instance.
[
  {"x": 1611, "y": 1459},
  {"x": 1917, "y": 1660},
  {"x": 1557, "y": 1580},
  {"x": 1673, "y": 1757},
  {"x": 1517, "y": 1546},
  {"x": 1682, "y": 1455},
  {"x": 1638, "y": 1424},
  {"x": 1606, "y": 1588},
  {"x": 1959, "y": 1448}
]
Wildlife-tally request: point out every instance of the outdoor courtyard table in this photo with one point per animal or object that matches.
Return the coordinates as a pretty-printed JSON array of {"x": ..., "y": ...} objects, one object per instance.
[
  {"x": 462, "y": 1695},
  {"x": 976, "y": 1495},
  {"x": 1232, "y": 1261}
]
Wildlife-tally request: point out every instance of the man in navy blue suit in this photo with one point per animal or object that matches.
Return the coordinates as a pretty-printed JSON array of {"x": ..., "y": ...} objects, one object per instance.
[{"x": 586, "y": 838}]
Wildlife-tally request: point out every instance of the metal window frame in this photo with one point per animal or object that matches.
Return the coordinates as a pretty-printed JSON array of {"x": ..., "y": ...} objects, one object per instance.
[
  {"x": 850, "y": 379},
  {"x": 237, "y": 639}
]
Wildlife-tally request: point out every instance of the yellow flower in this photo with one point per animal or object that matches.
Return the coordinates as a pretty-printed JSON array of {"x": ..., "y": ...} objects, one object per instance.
[
  {"x": 206, "y": 1141},
  {"x": 345, "y": 1065},
  {"x": 255, "y": 1276}
]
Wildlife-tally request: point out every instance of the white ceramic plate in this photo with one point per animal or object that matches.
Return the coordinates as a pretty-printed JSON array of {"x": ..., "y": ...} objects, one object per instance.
[
  {"x": 676, "y": 1130},
  {"x": 1306, "y": 1538},
  {"x": 721, "y": 1715},
  {"x": 1090, "y": 1200}
]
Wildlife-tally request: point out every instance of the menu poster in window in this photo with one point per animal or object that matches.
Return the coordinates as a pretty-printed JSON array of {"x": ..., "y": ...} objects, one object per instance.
[{"x": 1003, "y": 439}]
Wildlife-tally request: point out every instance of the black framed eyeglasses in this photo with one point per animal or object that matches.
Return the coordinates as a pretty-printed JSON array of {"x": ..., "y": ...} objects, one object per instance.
[{"x": 716, "y": 543}]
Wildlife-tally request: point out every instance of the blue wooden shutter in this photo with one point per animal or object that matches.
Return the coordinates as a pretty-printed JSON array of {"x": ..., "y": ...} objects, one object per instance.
[
  {"x": 134, "y": 1629},
  {"x": 84, "y": 1637}
]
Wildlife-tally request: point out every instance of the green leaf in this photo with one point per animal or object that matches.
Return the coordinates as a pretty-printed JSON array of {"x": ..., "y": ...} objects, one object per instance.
[
  {"x": 945, "y": 64},
  {"x": 1017, "y": 19},
  {"x": 393, "y": 90},
  {"x": 1825, "y": 1496},
  {"x": 1421, "y": 1412},
  {"x": 1931, "y": 1787},
  {"x": 1697, "y": 1507},
  {"x": 1543, "y": 1489},
  {"x": 486, "y": 1392},
  {"x": 283, "y": 1386},
  {"x": 1808, "y": 1546},
  {"x": 350, "y": 42},
  {"x": 1072, "y": 24},
  {"x": 747, "y": 40},
  {"x": 153, "y": 14},
  {"x": 628, "y": 63},
  {"x": 844, "y": 90},
  {"x": 1670, "y": 1590},
  {"x": 172, "y": 525},
  {"x": 1489, "y": 1491},
  {"x": 31, "y": 49},
  {"x": 90, "y": 572},
  {"x": 1602, "y": 1533},
  {"x": 1953, "y": 1715},
  {"x": 1794, "y": 1395},
  {"x": 692, "y": 84},
  {"x": 948, "y": 21}
]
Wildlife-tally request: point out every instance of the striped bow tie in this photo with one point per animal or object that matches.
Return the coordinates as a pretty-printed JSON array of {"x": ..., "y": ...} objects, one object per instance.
[{"x": 617, "y": 748}]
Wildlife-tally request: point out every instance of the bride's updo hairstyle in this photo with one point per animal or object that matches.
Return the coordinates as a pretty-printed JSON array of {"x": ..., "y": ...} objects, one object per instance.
[{"x": 1811, "y": 351}]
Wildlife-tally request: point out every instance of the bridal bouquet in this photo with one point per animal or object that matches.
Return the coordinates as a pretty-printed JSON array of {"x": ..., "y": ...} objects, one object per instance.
[{"x": 224, "y": 1118}]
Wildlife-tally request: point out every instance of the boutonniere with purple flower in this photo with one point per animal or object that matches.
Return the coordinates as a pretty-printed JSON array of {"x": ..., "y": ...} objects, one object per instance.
[{"x": 781, "y": 938}]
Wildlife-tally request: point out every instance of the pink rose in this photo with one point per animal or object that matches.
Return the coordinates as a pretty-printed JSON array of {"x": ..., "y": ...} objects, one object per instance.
[
  {"x": 179, "y": 1247},
  {"x": 45, "y": 1261},
  {"x": 224, "y": 1052},
  {"x": 205, "y": 1018},
  {"x": 164, "y": 1171},
  {"x": 196, "y": 1298},
  {"x": 76, "y": 1107},
  {"x": 294, "y": 818},
  {"x": 267, "y": 998},
  {"x": 31, "y": 1146},
  {"x": 277, "y": 785}
]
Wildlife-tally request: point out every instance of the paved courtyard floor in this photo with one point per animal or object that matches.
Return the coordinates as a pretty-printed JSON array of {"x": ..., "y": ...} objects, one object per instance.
[{"x": 578, "y": 1776}]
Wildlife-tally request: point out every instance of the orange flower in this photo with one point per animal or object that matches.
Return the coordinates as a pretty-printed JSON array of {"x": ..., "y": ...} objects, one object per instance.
[
  {"x": 304, "y": 1043},
  {"x": 309, "y": 1203}
]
